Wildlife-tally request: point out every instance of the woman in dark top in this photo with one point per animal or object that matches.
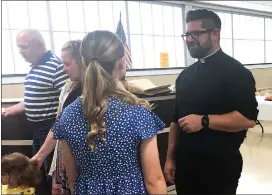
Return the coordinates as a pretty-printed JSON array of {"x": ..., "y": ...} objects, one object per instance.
[{"x": 71, "y": 91}]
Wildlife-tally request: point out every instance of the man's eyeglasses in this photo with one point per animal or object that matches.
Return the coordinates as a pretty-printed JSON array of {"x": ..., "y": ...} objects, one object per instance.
[{"x": 195, "y": 34}]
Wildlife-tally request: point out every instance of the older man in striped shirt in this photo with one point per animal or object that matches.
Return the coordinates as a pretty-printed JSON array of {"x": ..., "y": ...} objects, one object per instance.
[{"x": 42, "y": 88}]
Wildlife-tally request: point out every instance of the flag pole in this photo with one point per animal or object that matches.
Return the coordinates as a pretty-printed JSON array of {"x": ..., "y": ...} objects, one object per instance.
[{"x": 120, "y": 15}]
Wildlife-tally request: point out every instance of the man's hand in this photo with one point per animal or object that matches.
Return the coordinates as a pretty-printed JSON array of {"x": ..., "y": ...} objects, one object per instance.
[
  {"x": 13, "y": 110},
  {"x": 191, "y": 123},
  {"x": 8, "y": 112},
  {"x": 170, "y": 171}
]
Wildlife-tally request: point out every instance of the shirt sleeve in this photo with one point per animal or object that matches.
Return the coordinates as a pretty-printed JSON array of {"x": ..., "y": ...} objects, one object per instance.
[
  {"x": 58, "y": 127},
  {"x": 148, "y": 124},
  {"x": 59, "y": 77},
  {"x": 241, "y": 87}
]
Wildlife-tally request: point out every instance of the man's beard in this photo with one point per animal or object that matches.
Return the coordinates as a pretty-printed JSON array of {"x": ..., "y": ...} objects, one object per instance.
[{"x": 197, "y": 51}]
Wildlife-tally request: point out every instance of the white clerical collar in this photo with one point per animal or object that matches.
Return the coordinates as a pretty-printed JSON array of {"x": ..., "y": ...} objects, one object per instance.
[{"x": 202, "y": 60}]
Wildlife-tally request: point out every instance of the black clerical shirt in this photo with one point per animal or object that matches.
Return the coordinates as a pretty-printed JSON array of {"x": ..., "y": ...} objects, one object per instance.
[{"x": 217, "y": 85}]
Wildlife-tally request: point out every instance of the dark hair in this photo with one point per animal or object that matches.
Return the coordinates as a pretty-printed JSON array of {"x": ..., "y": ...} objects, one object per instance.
[
  {"x": 18, "y": 165},
  {"x": 210, "y": 20}
]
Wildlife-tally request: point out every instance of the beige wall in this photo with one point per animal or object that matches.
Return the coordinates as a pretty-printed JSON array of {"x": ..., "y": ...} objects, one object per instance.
[
  {"x": 263, "y": 79},
  {"x": 13, "y": 91}
]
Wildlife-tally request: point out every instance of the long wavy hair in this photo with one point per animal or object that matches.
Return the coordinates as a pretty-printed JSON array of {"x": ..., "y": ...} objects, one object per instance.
[{"x": 100, "y": 51}]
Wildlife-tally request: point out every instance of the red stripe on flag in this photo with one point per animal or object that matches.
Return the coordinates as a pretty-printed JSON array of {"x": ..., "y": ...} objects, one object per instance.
[{"x": 128, "y": 57}]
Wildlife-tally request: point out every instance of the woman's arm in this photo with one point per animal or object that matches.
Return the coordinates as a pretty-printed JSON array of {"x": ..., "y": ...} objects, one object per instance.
[
  {"x": 170, "y": 164},
  {"x": 152, "y": 172},
  {"x": 46, "y": 149},
  {"x": 69, "y": 164}
]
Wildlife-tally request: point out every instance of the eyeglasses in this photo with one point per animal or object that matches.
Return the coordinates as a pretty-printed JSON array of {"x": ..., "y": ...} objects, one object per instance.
[{"x": 195, "y": 34}]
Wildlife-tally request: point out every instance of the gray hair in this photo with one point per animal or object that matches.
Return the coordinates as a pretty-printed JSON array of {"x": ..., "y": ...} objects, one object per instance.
[{"x": 32, "y": 35}]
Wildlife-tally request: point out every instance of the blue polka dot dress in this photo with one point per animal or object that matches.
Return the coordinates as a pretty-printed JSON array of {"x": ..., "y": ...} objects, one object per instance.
[{"x": 114, "y": 167}]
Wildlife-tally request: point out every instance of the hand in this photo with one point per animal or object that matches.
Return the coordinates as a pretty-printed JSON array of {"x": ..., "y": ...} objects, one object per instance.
[
  {"x": 191, "y": 123},
  {"x": 7, "y": 113},
  {"x": 37, "y": 159},
  {"x": 170, "y": 171}
]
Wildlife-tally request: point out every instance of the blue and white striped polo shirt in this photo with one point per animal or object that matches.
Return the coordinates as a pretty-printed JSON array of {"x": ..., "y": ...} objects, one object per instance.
[{"x": 42, "y": 88}]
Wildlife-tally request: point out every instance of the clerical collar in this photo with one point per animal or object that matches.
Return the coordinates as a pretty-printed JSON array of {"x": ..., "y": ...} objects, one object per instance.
[{"x": 202, "y": 60}]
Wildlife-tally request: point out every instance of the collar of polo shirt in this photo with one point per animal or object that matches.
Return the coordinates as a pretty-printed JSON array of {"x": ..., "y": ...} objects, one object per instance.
[{"x": 44, "y": 59}]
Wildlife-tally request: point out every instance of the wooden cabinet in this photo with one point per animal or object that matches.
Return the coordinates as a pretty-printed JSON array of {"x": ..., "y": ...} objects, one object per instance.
[{"x": 17, "y": 133}]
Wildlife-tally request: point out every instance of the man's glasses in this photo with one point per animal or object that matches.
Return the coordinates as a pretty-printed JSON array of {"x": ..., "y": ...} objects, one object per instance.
[{"x": 195, "y": 34}]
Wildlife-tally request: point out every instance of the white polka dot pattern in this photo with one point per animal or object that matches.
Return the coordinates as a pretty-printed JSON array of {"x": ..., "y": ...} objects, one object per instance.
[{"x": 114, "y": 168}]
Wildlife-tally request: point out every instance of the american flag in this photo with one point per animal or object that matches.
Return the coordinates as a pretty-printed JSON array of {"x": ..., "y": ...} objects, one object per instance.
[{"x": 121, "y": 34}]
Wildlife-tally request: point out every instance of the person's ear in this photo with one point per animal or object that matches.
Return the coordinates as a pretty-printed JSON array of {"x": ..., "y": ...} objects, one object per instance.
[
  {"x": 121, "y": 66},
  {"x": 216, "y": 35},
  {"x": 121, "y": 63}
]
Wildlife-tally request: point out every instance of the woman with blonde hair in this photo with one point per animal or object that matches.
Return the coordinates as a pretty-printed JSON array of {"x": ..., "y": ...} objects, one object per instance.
[
  {"x": 70, "y": 55},
  {"x": 108, "y": 136}
]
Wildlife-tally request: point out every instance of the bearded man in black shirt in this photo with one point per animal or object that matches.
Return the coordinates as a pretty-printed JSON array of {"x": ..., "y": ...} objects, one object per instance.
[{"x": 215, "y": 105}]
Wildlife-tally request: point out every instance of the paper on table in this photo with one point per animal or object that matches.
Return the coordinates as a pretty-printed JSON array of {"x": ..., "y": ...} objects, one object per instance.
[{"x": 145, "y": 86}]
